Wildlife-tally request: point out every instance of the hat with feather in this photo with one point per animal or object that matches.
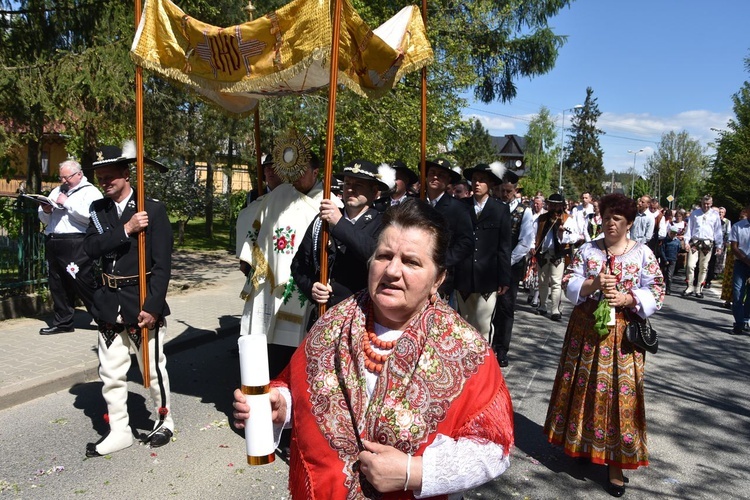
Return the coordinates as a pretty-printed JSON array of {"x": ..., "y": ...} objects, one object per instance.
[
  {"x": 496, "y": 171},
  {"x": 105, "y": 156},
  {"x": 384, "y": 175}
]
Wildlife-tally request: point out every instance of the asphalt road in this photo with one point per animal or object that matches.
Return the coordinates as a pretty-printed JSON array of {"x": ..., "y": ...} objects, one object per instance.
[{"x": 697, "y": 407}]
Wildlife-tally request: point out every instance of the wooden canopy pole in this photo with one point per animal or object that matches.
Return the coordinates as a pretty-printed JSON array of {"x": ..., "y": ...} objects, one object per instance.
[
  {"x": 141, "y": 203},
  {"x": 423, "y": 136},
  {"x": 258, "y": 153},
  {"x": 332, "y": 85},
  {"x": 250, "y": 11}
]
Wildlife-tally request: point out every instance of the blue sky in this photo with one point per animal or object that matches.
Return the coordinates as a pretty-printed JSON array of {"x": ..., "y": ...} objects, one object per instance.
[{"x": 655, "y": 66}]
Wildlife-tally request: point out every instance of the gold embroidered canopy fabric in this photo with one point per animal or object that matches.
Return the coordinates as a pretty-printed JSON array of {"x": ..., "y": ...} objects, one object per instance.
[{"x": 284, "y": 52}]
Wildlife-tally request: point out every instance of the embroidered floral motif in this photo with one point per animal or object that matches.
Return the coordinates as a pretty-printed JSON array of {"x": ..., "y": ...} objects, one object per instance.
[
  {"x": 72, "y": 269},
  {"x": 283, "y": 240},
  {"x": 290, "y": 289}
]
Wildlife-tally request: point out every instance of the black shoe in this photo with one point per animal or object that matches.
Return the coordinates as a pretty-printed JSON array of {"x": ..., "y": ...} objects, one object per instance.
[
  {"x": 160, "y": 438},
  {"x": 52, "y": 330},
  {"x": 535, "y": 304},
  {"x": 556, "y": 317},
  {"x": 707, "y": 285},
  {"x": 502, "y": 359},
  {"x": 615, "y": 490},
  {"x": 541, "y": 312},
  {"x": 687, "y": 293},
  {"x": 736, "y": 330},
  {"x": 727, "y": 305},
  {"x": 699, "y": 295},
  {"x": 91, "y": 450}
]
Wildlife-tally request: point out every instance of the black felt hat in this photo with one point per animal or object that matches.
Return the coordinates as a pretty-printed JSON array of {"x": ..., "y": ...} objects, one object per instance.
[
  {"x": 555, "y": 198},
  {"x": 400, "y": 166},
  {"x": 384, "y": 175},
  {"x": 105, "y": 156},
  {"x": 496, "y": 170},
  {"x": 510, "y": 177},
  {"x": 446, "y": 165}
]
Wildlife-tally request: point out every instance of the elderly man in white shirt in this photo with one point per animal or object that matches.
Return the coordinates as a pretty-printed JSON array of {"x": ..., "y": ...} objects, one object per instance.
[{"x": 703, "y": 232}]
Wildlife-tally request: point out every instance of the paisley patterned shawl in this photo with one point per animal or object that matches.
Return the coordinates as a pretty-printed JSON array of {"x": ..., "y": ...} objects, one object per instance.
[{"x": 440, "y": 378}]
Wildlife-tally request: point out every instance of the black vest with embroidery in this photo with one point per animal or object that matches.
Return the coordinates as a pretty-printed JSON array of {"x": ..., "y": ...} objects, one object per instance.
[{"x": 516, "y": 218}]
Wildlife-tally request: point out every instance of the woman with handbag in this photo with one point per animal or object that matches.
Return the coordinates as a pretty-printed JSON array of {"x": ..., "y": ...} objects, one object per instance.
[{"x": 596, "y": 409}]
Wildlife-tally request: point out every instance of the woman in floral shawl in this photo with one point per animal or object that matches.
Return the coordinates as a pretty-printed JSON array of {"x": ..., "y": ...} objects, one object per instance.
[
  {"x": 596, "y": 409},
  {"x": 392, "y": 394}
]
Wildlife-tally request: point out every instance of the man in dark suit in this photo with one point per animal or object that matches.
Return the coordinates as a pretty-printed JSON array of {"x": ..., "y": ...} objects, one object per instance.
[
  {"x": 521, "y": 239},
  {"x": 487, "y": 274},
  {"x": 353, "y": 237},
  {"x": 112, "y": 236},
  {"x": 439, "y": 176},
  {"x": 405, "y": 177}
]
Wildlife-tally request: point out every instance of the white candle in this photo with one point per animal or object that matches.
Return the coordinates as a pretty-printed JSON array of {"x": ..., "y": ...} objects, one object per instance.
[{"x": 255, "y": 385}]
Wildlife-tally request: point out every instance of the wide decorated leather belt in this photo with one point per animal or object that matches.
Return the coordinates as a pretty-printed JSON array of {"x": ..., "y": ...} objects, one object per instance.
[{"x": 120, "y": 281}]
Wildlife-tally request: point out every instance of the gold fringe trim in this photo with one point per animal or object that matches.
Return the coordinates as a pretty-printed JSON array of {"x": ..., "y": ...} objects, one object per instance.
[{"x": 262, "y": 272}]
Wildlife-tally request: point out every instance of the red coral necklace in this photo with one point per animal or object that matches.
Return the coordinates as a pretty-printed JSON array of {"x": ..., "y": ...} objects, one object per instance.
[{"x": 374, "y": 361}]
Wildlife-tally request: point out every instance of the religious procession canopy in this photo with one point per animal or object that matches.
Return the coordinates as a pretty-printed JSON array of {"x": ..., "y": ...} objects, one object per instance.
[{"x": 285, "y": 52}]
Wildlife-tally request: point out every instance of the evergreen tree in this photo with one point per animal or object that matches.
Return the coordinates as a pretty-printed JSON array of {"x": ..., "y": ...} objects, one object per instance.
[
  {"x": 474, "y": 147},
  {"x": 541, "y": 155},
  {"x": 584, "y": 160}
]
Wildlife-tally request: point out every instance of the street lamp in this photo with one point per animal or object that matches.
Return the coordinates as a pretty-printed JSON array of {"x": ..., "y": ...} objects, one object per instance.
[
  {"x": 562, "y": 132},
  {"x": 632, "y": 185}
]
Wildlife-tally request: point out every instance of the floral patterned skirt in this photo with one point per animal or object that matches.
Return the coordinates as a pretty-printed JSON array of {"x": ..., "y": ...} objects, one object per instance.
[
  {"x": 596, "y": 409},
  {"x": 726, "y": 282}
]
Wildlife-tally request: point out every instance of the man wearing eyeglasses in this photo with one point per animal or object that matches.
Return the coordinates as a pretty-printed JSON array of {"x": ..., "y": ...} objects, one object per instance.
[{"x": 70, "y": 270}]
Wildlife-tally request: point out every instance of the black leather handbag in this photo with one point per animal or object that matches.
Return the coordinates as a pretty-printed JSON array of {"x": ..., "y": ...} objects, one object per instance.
[{"x": 640, "y": 333}]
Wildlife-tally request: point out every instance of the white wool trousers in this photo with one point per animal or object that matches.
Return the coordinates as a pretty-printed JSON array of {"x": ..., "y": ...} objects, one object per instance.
[
  {"x": 550, "y": 284},
  {"x": 701, "y": 260},
  {"x": 477, "y": 311},
  {"x": 114, "y": 363}
]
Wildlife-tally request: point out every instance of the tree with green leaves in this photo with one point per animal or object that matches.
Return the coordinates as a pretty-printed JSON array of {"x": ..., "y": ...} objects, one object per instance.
[
  {"x": 585, "y": 158},
  {"x": 541, "y": 155},
  {"x": 65, "y": 63},
  {"x": 679, "y": 165},
  {"x": 730, "y": 173}
]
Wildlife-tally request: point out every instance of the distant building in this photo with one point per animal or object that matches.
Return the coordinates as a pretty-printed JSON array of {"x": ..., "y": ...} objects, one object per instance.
[
  {"x": 511, "y": 148},
  {"x": 613, "y": 187}
]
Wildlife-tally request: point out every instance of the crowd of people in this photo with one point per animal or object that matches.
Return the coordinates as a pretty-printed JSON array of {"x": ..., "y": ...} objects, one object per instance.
[
  {"x": 475, "y": 241},
  {"x": 386, "y": 359}
]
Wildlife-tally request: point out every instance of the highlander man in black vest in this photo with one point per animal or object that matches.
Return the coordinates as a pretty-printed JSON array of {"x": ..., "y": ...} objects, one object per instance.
[
  {"x": 112, "y": 236},
  {"x": 522, "y": 239}
]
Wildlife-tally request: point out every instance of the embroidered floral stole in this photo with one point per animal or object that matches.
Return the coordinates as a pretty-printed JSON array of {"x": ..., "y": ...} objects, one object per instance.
[{"x": 425, "y": 374}]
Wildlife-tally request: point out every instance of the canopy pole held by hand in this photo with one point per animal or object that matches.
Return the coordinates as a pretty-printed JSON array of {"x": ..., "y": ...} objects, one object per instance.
[
  {"x": 141, "y": 204},
  {"x": 330, "y": 130}
]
